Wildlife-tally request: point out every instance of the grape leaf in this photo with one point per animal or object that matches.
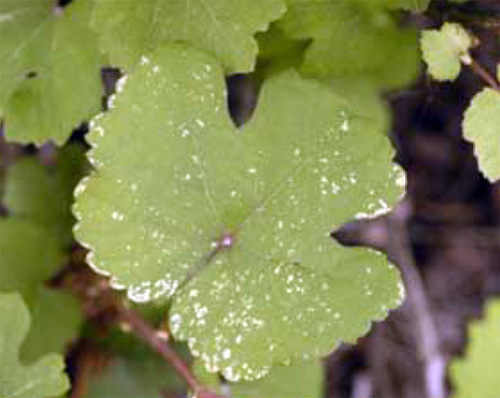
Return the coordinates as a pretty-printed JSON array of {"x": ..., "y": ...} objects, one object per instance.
[
  {"x": 188, "y": 181},
  {"x": 444, "y": 49},
  {"x": 481, "y": 126},
  {"x": 42, "y": 54},
  {"x": 476, "y": 376},
  {"x": 44, "y": 194},
  {"x": 130, "y": 28},
  {"x": 304, "y": 380},
  {"x": 29, "y": 255},
  {"x": 44, "y": 378},
  {"x": 352, "y": 39}
]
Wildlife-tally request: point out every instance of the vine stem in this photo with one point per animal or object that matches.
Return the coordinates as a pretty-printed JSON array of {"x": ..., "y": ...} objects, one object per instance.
[
  {"x": 426, "y": 332},
  {"x": 150, "y": 336},
  {"x": 480, "y": 71}
]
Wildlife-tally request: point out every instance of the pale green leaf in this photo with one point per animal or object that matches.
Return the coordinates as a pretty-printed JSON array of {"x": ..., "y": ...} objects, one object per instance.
[
  {"x": 304, "y": 380},
  {"x": 50, "y": 70},
  {"x": 44, "y": 194},
  {"x": 45, "y": 377},
  {"x": 481, "y": 126},
  {"x": 306, "y": 162},
  {"x": 130, "y": 28},
  {"x": 444, "y": 49},
  {"x": 476, "y": 376},
  {"x": 352, "y": 40}
]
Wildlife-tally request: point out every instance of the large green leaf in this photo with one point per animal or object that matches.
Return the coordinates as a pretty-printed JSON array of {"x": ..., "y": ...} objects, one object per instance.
[
  {"x": 444, "y": 49},
  {"x": 44, "y": 378},
  {"x": 304, "y": 380},
  {"x": 50, "y": 69},
  {"x": 352, "y": 39},
  {"x": 476, "y": 376},
  {"x": 29, "y": 255},
  {"x": 130, "y": 28},
  {"x": 175, "y": 179},
  {"x": 44, "y": 194},
  {"x": 481, "y": 126}
]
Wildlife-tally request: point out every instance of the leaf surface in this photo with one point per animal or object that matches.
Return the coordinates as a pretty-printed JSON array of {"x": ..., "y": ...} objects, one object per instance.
[
  {"x": 50, "y": 70},
  {"x": 237, "y": 221},
  {"x": 444, "y": 49},
  {"x": 225, "y": 27},
  {"x": 352, "y": 39},
  {"x": 29, "y": 255},
  {"x": 476, "y": 375},
  {"x": 44, "y": 195},
  {"x": 301, "y": 380},
  {"x": 481, "y": 126},
  {"x": 44, "y": 378}
]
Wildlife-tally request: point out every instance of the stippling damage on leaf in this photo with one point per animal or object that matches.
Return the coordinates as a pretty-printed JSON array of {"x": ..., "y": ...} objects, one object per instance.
[{"x": 155, "y": 211}]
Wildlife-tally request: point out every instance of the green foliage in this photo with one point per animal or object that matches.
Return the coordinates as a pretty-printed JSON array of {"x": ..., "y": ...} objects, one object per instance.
[
  {"x": 302, "y": 380},
  {"x": 352, "y": 40},
  {"x": 481, "y": 126},
  {"x": 56, "y": 320},
  {"x": 128, "y": 378},
  {"x": 44, "y": 378},
  {"x": 130, "y": 28},
  {"x": 285, "y": 291},
  {"x": 476, "y": 376},
  {"x": 44, "y": 194},
  {"x": 29, "y": 255},
  {"x": 411, "y": 5},
  {"x": 49, "y": 75},
  {"x": 31, "y": 241},
  {"x": 444, "y": 49}
]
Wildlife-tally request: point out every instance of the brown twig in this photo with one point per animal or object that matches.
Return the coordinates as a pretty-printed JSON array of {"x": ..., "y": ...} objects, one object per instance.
[
  {"x": 479, "y": 70},
  {"x": 149, "y": 335},
  {"x": 101, "y": 303},
  {"x": 426, "y": 333}
]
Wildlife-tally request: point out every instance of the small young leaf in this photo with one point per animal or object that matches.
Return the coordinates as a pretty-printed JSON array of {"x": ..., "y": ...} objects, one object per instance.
[
  {"x": 476, "y": 376},
  {"x": 253, "y": 207},
  {"x": 352, "y": 39},
  {"x": 129, "y": 28},
  {"x": 481, "y": 126},
  {"x": 444, "y": 49},
  {"x": 50, "y": 69},
  {"x": 44, "y": 378}
]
